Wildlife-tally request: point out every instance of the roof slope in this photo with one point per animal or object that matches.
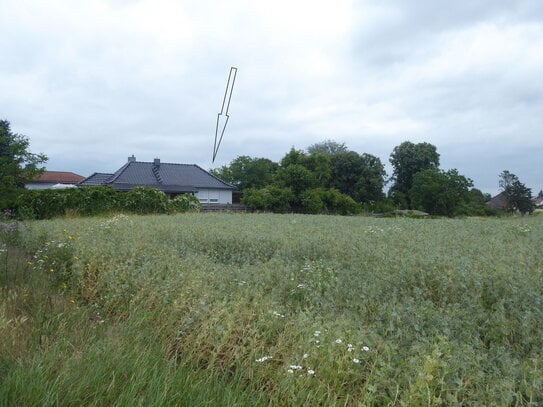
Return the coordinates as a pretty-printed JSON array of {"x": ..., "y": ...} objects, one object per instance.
[
  {"x": 166, "y": 177},
  {"x": 98, "y": 178},
  {"x": 59, "y": 177},
  {"x": 500, "y": 201}
]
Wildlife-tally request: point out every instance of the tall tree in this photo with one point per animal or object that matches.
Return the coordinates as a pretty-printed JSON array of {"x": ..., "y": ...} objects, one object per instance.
[
  {"x": 246, "y": 172},
  {"x": 362, "y": 177},
  {"x": 519, "y": 197},
  {"x": 440, "y": 192},
  {"x": 327, "y": 147},
  {"x": 407, "y": 159},
  {"x": 18, "y": 166}
]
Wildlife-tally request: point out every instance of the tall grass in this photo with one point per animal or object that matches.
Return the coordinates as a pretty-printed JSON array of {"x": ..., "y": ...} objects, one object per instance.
[{"x": 281, "y": 310}]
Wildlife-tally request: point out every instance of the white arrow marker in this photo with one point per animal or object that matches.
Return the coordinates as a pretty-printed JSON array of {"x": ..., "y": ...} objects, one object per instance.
[{"x": 222, "y": 117}]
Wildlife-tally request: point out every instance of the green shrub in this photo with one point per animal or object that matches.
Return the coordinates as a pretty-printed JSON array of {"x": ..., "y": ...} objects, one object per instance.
[
  {"x": 186, "y": 203},
  {"x": 271, "y": 198},
  {"x": 143, "y": 200}
]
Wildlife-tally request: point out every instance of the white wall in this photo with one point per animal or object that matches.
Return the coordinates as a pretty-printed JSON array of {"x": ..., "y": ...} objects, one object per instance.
[{"x": 219, "y": 196}]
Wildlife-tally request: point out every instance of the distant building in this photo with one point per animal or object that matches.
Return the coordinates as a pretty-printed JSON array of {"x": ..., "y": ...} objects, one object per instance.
[
  {"x": 172, "y": 179},
  {"x": 55, "y": 180},
  {"x": 500, "y": 201}
]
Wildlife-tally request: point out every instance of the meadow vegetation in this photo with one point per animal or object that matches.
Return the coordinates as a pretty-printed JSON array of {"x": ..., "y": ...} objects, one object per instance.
[{"x": 262, "y": 309}]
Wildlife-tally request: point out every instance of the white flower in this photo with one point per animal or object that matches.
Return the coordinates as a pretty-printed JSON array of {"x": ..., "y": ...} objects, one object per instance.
[
  {"x": 316, "y": 333},
  {"x": 317, "y": 342},
  {"x": 295, "y": 367},
  {"x": 338, "y": 341},
  {"x": 278, "y": 315},
  {"x": 310, "y": 372},
  {"x": 355, "y": 360},
  {"x": 305, "y": 356},
  {"x": 290, "y": 371},
  {"x": 365, "y": 348},
  {"x": 263, "y": 359},
  {"x": 350, "y": 348},
  {"x": 300, "y": 286}
]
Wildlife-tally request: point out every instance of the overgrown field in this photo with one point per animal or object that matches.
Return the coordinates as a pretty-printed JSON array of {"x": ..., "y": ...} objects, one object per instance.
[{"x": 252, "y": 309}]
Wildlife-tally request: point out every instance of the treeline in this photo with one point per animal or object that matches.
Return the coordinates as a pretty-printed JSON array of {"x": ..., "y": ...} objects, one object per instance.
[
  {"x": 327, "y": 177},
  {"x": 90, "y": 201}
]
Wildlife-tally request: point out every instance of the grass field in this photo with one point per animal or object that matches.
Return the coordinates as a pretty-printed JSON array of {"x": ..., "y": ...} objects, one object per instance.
[{"x": 253, "y": 309}]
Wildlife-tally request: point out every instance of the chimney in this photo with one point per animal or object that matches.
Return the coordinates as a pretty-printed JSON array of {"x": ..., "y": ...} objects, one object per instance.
[
  {"x": 132, "y": 159},
  {"x": 156, "y": 162}
]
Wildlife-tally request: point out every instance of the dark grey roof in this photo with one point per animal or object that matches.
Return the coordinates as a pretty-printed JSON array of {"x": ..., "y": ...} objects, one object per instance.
[
  {"x": 166, "y": 177},
  {"x": 98, "y": 178}
]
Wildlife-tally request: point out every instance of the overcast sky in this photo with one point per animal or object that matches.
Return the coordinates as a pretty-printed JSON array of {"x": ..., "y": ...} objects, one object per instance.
[{"x": 92, "y": 82}]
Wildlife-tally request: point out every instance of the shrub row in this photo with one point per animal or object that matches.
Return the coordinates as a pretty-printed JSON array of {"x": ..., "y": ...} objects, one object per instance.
[
  {"x": 314, "y": 201},
  {"x": 89, "y": 201}
]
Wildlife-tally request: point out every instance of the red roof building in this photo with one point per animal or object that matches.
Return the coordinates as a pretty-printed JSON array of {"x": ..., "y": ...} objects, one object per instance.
[{"x": 49, "y": 179}]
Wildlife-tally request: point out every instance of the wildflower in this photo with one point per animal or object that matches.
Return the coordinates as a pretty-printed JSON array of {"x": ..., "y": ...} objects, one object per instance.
[
  {"x": 365, "y": 348},
  {"x": 316, "y": 333},
  {"x": 290, "y": 371},
  {"x": 310, "y": 372},
  {"x": 263, "y": 359},
  {"x": 300, "y": 286},
  {"x": 355, "y": 360},
  {"x": 338, "y": 341},
  {"x": 51, "y": 270},
  {"x": 350, "y": 347},
  {"x": 70, "y": 237},
  {"x": 295, "y": 367},
  {"x": 278, "y": 315},
  {"x": 64, "y": 286},
  {"x": 305, "y": 356}
]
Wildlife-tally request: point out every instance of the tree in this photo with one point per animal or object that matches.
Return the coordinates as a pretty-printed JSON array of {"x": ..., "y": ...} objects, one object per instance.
[
  {"x": 296, "y": 177},
  {"x": 246, "y": 172},
  {"x": 319, "y": 165},
  {"x": 519, "y": 197},
  {"x": 18, "y": 166},
  {"x": 440, "y": 192},
  {"x": 362, "y": 177},
  {"x": 407, "y": 159},
  {"x": 327, "y": 147}
]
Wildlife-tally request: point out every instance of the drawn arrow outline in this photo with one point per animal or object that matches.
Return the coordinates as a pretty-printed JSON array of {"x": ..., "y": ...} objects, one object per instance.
[{"x": 227, "y": 96}]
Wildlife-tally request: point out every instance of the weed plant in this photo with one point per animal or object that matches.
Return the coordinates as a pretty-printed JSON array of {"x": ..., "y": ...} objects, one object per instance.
[{"x": 276, "y": 310}]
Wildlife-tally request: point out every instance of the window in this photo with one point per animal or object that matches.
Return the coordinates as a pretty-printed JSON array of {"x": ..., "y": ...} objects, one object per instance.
[{"x": 213, "y": 200}]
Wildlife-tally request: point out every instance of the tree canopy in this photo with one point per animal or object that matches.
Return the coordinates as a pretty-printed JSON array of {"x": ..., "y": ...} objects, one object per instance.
[
  {"x": 407, "y": 159},
  {"x": 18, "y": 165},
  {"x": 440, "y": 192},
  {"x": 519, "y": 197},
  {"x": 362, "y": 177},
  {"x": 327, "y": 147},
  {"x": 246, "y": 172}
]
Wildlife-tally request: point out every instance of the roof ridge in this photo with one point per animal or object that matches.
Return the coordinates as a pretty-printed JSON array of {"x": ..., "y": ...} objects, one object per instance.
[{"x": 118, "y": 173}]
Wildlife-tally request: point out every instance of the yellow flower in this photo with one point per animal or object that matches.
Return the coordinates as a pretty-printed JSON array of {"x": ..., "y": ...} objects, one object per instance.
[
  {"x": 70, "y": 237},
  {"x": 51, "y": 270}
]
